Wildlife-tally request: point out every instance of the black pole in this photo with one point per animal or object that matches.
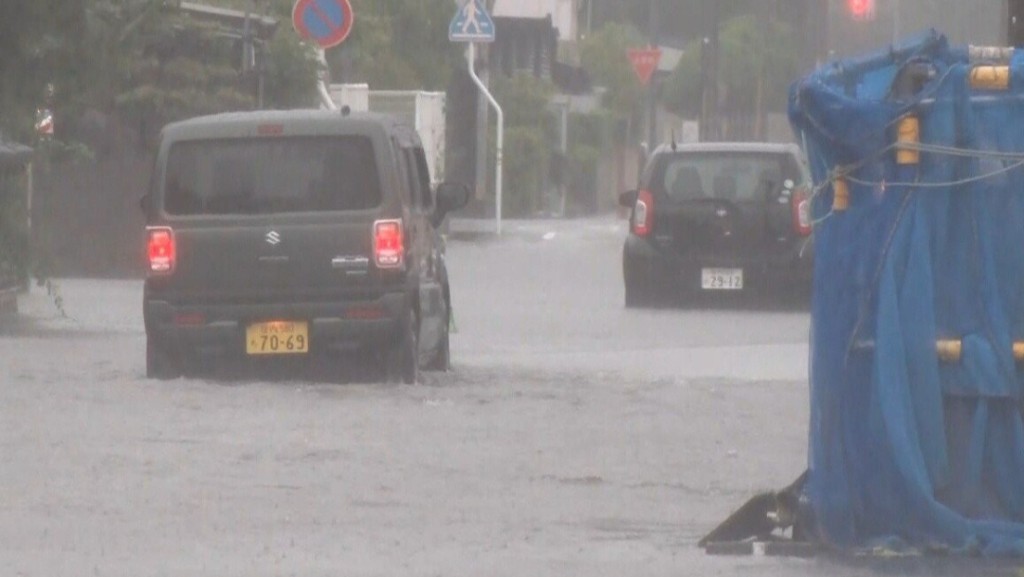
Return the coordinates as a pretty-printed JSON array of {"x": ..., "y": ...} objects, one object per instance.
[
  {"x": 815, "y": 25},
  {"x": 709, "y": 72},
  {"x": 652, "y": 94},
  {"x": 1015, "y": 23}
]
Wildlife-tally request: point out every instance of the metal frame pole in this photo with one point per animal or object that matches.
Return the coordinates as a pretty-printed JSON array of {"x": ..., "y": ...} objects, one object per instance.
[
  {"x": 501, "y": 136},
  {"x": 322, "y": 88},
  {"x": 1014, "y": 11}
]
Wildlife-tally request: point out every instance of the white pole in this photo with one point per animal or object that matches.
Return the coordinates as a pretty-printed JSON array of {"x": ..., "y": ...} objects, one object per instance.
[
  {"x": 322, "y": 79},
  {"x": 29, "y": 193},
  {"x": 501, "y": 136}
]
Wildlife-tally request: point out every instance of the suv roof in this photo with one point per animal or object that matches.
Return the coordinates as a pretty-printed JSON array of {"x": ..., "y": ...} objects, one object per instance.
[{"x": 301, "y": 122}]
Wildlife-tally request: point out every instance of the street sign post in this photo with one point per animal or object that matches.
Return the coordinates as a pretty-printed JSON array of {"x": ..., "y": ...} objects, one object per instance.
[
  {"x": 645, "y": 62},
  {"x": 473, "y": 24},
  {"x": 327, "y": 23}
]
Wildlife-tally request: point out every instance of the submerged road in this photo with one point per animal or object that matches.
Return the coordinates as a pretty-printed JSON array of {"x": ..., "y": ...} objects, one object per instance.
[{"x": 573, "y": 436}]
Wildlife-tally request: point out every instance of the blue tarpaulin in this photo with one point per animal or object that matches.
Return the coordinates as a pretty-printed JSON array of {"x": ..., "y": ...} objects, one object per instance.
[{"x": 917, "y": 420}]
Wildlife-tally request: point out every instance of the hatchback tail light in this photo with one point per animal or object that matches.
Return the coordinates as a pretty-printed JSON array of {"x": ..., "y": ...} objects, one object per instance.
[
  {"x": 161, "y": 249},
  {"x": 643, "y": 213},
  {"x": 388, "y": 244},
  {"x": 802, "y": 224}
]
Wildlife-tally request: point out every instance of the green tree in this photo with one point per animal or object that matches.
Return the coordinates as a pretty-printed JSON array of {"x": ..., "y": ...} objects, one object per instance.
[
  {"x": 528, "y": 139},
  {"x": 398, "y": 45},
  {"x": 604, "y": 57},
  {"x": 752, "y": 51},
  {"x": 38, "y": 40},
  {"x": 149, "y": 63},
  {"x": 676, "y": 18}
]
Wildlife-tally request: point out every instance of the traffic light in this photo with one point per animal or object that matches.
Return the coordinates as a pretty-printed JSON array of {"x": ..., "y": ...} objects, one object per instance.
[{"x": 861, "y": 9}]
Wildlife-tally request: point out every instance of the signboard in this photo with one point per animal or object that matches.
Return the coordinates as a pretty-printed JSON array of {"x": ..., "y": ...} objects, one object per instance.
[
  {"x": 645, "y": 62},
  {"x": 472, "y": 23},
  {"x": 324, "y": 22}
]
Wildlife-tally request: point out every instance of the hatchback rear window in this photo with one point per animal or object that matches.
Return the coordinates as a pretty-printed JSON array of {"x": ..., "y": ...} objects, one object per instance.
[
  {"x": 271, "y": 176},
  {"x": 732, "y": 176}
]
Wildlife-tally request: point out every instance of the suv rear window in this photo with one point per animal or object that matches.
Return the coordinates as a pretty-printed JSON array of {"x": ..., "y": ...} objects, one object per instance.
[
  {"x": 732, "y": 176},
  {"x": 271, "y": 176}
]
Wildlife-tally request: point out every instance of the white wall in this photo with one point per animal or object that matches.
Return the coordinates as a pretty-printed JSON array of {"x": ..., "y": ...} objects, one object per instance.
[{"x": 563, "y": 13}]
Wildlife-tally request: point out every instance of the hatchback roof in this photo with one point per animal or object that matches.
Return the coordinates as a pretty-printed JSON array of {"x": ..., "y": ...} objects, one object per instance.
[{"x": 744, "y": 147}]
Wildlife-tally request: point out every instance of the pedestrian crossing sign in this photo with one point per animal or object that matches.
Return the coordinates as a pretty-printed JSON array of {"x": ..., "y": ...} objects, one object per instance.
[{"x": 472, "y": 23}]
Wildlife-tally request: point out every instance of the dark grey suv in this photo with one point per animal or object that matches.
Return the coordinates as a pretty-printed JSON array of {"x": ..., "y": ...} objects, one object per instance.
[{"x": 291, "y": 234}]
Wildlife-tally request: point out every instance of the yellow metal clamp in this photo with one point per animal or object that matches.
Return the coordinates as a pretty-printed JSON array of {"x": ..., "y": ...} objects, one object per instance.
[
  {"x": 908, "y": 132},
  {"x": 840, "y": 194},
  {"x": 949, "y": 351},
  {"x": 990, "y": 77}
]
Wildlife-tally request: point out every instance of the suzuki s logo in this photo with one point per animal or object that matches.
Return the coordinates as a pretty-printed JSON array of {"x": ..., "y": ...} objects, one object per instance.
[{"x": 273, "y": 238}]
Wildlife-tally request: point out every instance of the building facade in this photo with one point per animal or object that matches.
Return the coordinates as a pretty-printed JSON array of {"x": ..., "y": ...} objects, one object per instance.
[{"x": 563, "y": 14}]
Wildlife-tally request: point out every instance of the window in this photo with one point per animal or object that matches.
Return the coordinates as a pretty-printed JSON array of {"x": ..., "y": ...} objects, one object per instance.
[
  {"x": 419, "y": 161},
  {"x": 419, "y": 182},
  {"x": 269, "y": 176},
  {"x": 732, "y": 176}
]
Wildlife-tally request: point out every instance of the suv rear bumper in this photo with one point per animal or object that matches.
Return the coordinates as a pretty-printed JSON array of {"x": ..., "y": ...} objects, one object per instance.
[{"x": 221, "y": 328}]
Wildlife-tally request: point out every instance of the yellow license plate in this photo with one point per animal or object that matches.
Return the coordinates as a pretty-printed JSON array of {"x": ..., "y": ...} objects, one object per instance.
[{"x": 277, "y": 338}]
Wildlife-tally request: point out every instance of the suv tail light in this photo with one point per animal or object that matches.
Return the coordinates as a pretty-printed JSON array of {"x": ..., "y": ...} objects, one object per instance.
[
  {"x": 388, "y": 244},
  {"x": 161, "y": 249},
  {"x": 802, "y": 224},
  {"x": 643, "y": 213}
]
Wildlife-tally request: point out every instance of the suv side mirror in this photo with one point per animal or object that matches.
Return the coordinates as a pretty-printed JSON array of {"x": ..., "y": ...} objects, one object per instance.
[
  {"x": 628, "y": 198},
  {"x": 451, "y": 196}
]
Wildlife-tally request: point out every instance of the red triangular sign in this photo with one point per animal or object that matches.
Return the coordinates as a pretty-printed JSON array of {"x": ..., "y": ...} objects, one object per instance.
[{"x": 645, "y": 62}]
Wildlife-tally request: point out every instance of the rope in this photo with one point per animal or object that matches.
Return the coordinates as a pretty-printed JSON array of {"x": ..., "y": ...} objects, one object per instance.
[
  {"x": 950, "y": 184},
  {"x": 963, "y": 153},
  {"x": 865, "y": 305}
]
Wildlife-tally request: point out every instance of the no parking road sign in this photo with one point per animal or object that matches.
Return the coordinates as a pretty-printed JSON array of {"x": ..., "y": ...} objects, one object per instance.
[{"x": 325, "y": 22}]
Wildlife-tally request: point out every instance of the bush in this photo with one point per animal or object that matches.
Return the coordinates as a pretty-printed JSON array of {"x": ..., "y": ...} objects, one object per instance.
[
  {"x": 15, "y": 257},
  {"x": 529, "y": 138}
]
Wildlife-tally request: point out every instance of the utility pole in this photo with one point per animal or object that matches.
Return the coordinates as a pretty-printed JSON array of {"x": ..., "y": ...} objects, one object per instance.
[
  {"x": 252, "y": 53},
  {"x": 590, "y": 16},
  {"x": 761, "y": 112},
  {"x": 248, "y": 49},
  {"x": 652, "y": 95},
  {"x": 1015, "y": 23},
  {"x": 815, "y": 25},
  {"x": 897, "y": 28},
  {"x": 709, "y": 72}
]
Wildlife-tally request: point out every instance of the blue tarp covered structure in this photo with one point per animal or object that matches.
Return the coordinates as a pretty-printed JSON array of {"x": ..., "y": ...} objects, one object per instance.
[{"x": 917, "y": 419}]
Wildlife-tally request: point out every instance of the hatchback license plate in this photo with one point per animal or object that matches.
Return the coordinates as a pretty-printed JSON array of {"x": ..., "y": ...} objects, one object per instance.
[
  {"x": 721, "y": 279},
  {"x": 277, "y": 338}
]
